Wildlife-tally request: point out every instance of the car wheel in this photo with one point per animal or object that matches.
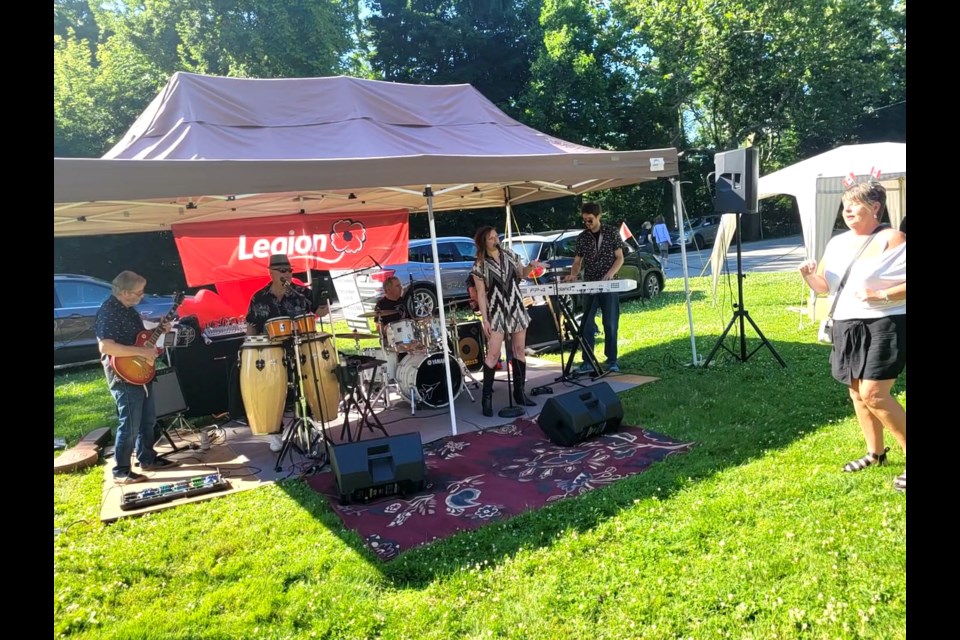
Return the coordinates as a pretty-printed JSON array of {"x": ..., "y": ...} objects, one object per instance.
[
  {"x": 423, "y": 302},
  {"x": 698, "y": 242},
  {"x": 651, "y": 286}
]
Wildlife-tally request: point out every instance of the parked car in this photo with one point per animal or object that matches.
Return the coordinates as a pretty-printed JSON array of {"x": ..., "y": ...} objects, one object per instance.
[
  {"x": 700, "y": 232},
  {"x": 76, "y": 300},
  {"x": 456, "y": 255},
  {"x": 558, "y": 248}
]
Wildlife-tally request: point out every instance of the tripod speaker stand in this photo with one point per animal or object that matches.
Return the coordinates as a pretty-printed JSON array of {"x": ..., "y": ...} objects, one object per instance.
[{"x": 742, "y": 314}]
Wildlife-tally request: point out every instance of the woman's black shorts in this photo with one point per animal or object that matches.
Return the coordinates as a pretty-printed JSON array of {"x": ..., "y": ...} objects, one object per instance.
[{"x": 870, "y": 349}]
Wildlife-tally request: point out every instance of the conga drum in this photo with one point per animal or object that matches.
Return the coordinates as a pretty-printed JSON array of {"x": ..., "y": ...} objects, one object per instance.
[
  {"x": 263, "y": 384},
  {"x": 318, "y": 361}
]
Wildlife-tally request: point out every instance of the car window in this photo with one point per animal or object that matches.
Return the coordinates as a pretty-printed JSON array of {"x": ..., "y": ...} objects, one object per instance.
[
  {"x": 81, "y": 294},
  {"x": 446, "y": 252},
  {"x": 566, "y": 248},
  {"x": 467, "y": 250},
  {"x": 422, "y": 253}
]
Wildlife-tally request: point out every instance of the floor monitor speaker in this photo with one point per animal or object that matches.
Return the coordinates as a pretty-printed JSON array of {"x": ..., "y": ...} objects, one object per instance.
[
  {"x": 167, "y": 394},
  {"x": 369, "y": 469},
  {"x": 580, "y": 415}
]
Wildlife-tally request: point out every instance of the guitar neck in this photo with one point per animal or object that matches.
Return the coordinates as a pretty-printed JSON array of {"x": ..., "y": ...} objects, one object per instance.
[{"x": 158, "y": 331}]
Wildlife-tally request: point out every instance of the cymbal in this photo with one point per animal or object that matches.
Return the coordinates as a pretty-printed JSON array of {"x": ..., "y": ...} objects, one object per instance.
[
  {"x": 356, "y": 335},
  {"x": 378, "y": 314}
]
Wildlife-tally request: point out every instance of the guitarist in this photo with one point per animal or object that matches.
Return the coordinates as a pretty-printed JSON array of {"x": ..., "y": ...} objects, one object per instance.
[{"x": 117, "y": 327}]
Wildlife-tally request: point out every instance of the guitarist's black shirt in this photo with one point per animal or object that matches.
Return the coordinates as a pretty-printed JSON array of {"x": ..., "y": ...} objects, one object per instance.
[{"x": 120, "y": 324}]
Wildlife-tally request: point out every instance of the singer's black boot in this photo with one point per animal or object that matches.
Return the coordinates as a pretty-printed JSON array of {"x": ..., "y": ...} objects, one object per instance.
[
  {"x": 486, "y": 400},
  {"x": 519, "y": 380}
]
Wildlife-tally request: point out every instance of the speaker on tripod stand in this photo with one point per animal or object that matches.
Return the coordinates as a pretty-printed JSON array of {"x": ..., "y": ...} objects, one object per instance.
[{"x": 737, "y": 178}]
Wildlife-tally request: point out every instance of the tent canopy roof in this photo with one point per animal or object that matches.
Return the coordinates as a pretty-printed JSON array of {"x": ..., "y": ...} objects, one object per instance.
[
  {"x": 210, "y": 148},
  {"x": 800, "y": 178}
]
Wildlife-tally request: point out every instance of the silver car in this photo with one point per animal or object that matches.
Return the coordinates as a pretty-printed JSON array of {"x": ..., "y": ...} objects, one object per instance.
[{"x": 456, "y": 254}]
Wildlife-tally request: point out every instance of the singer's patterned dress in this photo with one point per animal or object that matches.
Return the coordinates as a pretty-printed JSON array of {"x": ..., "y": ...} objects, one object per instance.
[
  {"x": 501, "y": 278},
  {"x": 264, "y": 305}
]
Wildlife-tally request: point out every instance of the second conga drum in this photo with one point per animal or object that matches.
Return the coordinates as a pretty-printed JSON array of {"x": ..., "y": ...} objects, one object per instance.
[
  {"x": 263, "y": 384},
  {"x": 318, "y": 360}
]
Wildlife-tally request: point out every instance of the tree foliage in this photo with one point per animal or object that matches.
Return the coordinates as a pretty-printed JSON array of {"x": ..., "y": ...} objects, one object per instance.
[{"x": 796, "y": 77}]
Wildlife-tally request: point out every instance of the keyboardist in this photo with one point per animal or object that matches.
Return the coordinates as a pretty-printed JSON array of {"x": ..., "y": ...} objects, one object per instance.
[{"x": 600, "y": 249}]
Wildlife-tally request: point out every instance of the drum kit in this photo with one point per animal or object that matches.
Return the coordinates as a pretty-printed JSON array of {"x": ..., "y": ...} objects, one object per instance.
[{"x": 413, "y": 350}]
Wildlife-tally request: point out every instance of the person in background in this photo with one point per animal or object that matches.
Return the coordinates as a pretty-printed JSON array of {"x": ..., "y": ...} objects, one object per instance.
[
  {"x": 600, "y": 251},
  {"x": 117, "y": 327},
  {"x": 646, "y": 236},
  {"x": 497, "y": 273},
  {"x": 661, "y": 239},
  {"x": 869, "y": 320},
  {"x": 279, "y": 298}
]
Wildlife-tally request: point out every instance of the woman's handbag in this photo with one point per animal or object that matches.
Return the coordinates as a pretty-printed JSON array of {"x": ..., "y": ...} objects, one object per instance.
[{"x": 825, "y": 334}]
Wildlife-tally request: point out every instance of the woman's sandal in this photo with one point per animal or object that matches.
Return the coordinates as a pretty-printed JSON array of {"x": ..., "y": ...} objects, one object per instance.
[
  {"x": 866, "y": 461},
  {"x": 900, "y": 482}
]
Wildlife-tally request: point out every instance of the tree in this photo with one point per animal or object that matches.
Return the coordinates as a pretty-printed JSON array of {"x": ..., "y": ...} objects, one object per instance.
[{"x": 485, "y": 43}]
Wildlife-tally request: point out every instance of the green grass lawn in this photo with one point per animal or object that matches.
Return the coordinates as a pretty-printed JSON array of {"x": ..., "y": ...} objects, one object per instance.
[{"x": 755, "y": 533}]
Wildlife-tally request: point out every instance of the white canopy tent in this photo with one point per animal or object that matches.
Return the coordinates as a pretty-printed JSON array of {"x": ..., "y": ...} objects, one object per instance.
[
  {"x": 817, "y": 184},
  {"x": 214, "y": 148}
]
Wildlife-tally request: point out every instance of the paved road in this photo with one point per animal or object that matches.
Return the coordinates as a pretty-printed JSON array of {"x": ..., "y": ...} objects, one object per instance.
[{"x": 780, "y": 254}]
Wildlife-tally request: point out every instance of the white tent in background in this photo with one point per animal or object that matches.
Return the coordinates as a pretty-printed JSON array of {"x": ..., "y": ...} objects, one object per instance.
[
  {"x": 214, "y": 148},
  {"x": 817, "y": 183}
]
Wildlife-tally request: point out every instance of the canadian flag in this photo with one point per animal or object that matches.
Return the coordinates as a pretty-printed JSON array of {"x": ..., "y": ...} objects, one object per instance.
[{"x": 624, "y": 232}]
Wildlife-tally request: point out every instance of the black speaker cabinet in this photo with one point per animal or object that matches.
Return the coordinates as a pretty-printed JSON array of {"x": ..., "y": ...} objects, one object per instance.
[
  {"x": 370, "y": 469},
  {"x": 580, "y": 415},
  {"x": 471, "y": 345},
  {"x": 208, "y": 373},
  {"x": 737, "y": 179},
  {"x": 543, "y": 329}
]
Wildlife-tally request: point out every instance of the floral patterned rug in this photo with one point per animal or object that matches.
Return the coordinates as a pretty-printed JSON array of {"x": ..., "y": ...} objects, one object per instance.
[{"x": 492, "y": 475}]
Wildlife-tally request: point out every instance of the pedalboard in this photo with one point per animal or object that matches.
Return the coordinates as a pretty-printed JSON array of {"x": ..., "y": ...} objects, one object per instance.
[{"x": 168, "y": 492}]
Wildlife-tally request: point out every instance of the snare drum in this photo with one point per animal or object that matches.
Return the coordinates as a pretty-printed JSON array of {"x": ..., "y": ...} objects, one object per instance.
[
  {"x": 263, "y": 384},
  {"x": 306, "y": 324},
  {"x": 279, "y": 328},
  {"x": 425, "y": 374},
  {"x": 318, "y": 359},
  {"x": 402, "y": 334}
]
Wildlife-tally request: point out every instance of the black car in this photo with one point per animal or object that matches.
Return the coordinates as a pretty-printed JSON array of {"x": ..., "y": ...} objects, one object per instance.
[
  {"x": 76, "y": 300},
  {"x": 558, "y": 248}
]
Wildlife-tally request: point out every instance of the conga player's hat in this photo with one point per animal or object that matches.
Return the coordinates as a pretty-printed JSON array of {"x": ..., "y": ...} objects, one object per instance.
[{"x": 279, "y": 260}]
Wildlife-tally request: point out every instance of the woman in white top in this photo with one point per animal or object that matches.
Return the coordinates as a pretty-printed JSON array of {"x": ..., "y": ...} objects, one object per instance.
[{"x": 870, "y": 318}]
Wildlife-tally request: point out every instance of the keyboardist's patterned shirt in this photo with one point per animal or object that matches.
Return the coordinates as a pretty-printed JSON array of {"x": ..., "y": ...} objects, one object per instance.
[{"x": 597, "y": 252}]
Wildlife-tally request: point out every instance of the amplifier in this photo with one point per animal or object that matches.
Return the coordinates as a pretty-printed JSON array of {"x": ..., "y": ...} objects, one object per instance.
[{"x": 207, "y": 376}]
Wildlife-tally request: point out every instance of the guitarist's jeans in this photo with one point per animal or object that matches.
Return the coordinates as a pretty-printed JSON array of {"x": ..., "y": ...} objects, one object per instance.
[{"x": 138, "y": 417}]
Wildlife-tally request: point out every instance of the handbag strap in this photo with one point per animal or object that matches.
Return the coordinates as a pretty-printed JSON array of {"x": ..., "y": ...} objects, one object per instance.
[{"x": 846, "y": 274}]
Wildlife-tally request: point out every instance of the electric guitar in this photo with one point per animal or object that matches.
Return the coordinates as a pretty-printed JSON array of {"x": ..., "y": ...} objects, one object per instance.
[{"x": 135, "y": 369}]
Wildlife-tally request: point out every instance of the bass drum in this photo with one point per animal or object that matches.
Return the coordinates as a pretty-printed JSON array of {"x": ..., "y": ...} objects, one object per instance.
[
  {"x": 425, "y": 374},
  {"x": 317, "y": 363},
  {"x": 263, "y": 384}
]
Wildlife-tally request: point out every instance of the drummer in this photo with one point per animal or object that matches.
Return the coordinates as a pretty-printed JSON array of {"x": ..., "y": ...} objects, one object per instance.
[
  {"x": 279, "y": 298},
  {"x": 391, "y": 307}
]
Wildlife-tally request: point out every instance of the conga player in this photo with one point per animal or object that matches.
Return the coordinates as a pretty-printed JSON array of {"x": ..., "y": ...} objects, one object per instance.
[{"x": 278, "y": 299}]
